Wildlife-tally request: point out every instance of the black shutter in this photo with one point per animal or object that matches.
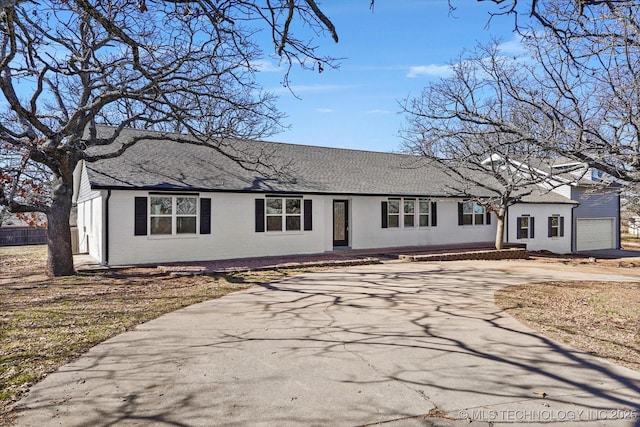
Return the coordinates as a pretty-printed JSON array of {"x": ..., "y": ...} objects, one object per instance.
[
  {"x": 308, "y": 215},
  {"x": 205, "y": 216},
  {"x": 259, "y": 215},
  {"x": 460, "y": 217},
  {"x": 385, "y": 218},
  {"x": 140, "y": 217},
  {"x": 488, "y": 215},
  {"x": 561, "y": 226},
  {"x": 434, "y": 214},
  {"x": 550, "y": 227},
  {"x": 532, "y": 227},
  {"x": 519, "y": 228}
]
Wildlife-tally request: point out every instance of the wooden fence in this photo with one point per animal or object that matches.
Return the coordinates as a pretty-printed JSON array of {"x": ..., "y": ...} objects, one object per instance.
[{"x": 18, "y": 236}]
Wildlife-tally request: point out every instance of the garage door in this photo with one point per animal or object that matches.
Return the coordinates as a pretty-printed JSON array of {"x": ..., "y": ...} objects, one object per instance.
[{"x": 594, "y": 234}]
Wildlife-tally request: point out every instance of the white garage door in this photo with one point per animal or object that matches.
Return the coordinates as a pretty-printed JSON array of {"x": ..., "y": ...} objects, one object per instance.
[{"x": 594, "y": 234}]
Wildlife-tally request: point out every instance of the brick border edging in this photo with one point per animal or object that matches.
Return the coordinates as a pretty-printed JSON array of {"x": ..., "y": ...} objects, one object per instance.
[
  {"x": 283, "y": 266},
  {"x": 487, "y": 255}
]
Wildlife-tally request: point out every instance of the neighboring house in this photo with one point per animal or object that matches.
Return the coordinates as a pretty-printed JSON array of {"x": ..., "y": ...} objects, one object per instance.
[
  {"x": 596, "y": 220},
  {"x": 163, "y": 201}
]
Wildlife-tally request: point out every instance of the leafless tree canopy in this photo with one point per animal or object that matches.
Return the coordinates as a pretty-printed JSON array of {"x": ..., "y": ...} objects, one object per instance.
[
  {"x": 472, "y": 123},
  {"x": 575, "y": 94},
  {"x": 181, "y": 66}
]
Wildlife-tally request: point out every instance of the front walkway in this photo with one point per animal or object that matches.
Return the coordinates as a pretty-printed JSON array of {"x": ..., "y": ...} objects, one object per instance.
[
  {"x": 404, "y": 344},
  {"x": 337, "y": 257}
]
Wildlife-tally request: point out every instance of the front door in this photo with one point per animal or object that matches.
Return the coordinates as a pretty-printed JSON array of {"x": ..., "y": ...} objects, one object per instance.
[{"x": 340, "y": 223}]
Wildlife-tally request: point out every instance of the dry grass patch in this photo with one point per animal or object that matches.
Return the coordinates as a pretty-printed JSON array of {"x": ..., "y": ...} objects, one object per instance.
[
  {"x": 45, "y": 323},
  {"x": 601, "y": 318}
]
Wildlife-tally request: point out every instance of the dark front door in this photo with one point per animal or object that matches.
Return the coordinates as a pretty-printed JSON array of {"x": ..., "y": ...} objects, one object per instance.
[{"x": 340, "y": 223}]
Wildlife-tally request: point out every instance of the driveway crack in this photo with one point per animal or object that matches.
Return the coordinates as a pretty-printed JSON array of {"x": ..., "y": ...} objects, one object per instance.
[{"x": 366, "y": 361}]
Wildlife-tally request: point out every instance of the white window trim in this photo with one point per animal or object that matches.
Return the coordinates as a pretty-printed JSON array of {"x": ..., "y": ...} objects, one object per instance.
[
  {"x": 397, "y": 200},
  {"x": 416, "y": 213},
  {"x": 174, "y": 215},
  {"x": 528, "y": 227},
  {"x": 473, "y": 214},
  {"x": 405, "y": 215},
  {"x": 284, "y": 216},
  {"x": 557, "y": 236},
  {"x": 428, "y": 214}
]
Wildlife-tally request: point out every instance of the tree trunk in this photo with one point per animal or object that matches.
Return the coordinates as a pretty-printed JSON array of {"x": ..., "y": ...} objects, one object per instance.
[
  {"x": 500, "y": 229},
  {"x": 60, "y": 254}
]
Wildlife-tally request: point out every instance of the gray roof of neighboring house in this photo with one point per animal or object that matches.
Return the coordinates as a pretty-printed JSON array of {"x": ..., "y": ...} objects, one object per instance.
[
  {"x": 540, "y": 195},
  {"x": 166, "y": 165}
]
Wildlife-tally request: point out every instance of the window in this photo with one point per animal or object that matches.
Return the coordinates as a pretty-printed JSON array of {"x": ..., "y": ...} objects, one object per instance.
[
  {"x": 556, "y": 226},
  {"x": 409, "y": 212},
  {"x": 173, "y": 215},
  {"x": 525, "y": 227},
  {"x": 166, "y": 215},
  {"x": 423, "y": 216},
  {"x": 170, "y": 210},
  {"x": 471, "y": 213},
  {"x": 186, "y": 215},
  {"x": 394, "y": 213},
  {"x": 283, "y": 212}
]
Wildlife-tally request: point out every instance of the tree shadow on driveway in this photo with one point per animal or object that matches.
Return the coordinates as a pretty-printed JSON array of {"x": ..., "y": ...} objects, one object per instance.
[{"x": 357, "y": 346}]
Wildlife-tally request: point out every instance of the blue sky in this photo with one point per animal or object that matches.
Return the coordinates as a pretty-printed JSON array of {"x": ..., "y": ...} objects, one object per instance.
[{"x": 390, "y": 54}]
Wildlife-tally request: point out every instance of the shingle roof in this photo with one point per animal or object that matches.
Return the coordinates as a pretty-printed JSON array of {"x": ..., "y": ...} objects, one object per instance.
[
  {"x": 540, "y": 195},
  {"x": 167, "y": 165}
]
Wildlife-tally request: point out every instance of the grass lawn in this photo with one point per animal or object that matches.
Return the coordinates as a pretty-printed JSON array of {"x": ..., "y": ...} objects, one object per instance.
[
  {"x": 601, "y": 318},
  {"x": 45, "y": 323}
]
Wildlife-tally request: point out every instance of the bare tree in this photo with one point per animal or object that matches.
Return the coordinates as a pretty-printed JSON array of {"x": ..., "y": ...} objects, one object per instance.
[
  {"x": 585, "y": 80},
  {"x": 470, "y": 124},
  {"x": 66, "y": 65},
  {"x": 576, "y": 94}
]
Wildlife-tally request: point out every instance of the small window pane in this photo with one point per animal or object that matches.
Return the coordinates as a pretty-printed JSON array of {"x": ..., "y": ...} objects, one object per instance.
[
  {"x": 293, "y": 223},
  {"x": 161, "y": 225},
  {"x": 394, "y": 206},
  {"x": 479, "y": 219},
  {"x": 409, "y": 206},
  {"x": 161, "y": 206},
  {"x": 186, "y": 225},
  {"x": 524, "y": 222},
  {"x": 186, "y": 206},
  {"x": 424, "y": 220},
  {"x": 467, "y": 219},
  {"x": 274, "y": 223},
  {"x": 394, "y": 221},
  {"x": 409, "y": 220},
  {"x": 274, "y": 206},
  {"x": 467, "y": 207},
  {"x": 293, "y": 206},
  {"x": 477, "y": 208},
  {"x": 554, "y": 221},
  {"x": 424, "y": 207}
]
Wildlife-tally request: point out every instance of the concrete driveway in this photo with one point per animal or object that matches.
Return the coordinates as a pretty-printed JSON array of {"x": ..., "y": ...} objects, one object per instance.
[{"x": 386, "y": 344}]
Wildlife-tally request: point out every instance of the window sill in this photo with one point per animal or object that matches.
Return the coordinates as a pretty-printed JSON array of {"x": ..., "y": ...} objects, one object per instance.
[
  {"x": 284, "y": 233},
  {"x": 173, "y": 236}
]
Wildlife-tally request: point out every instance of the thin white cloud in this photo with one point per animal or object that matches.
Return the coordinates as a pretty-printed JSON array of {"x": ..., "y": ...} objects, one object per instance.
[
  {"x": 267, "y": 66},
  {"x": 513, "y": 47},
  {"x": 324, "y": 110},
  {"x": 431, "y": 70}
]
